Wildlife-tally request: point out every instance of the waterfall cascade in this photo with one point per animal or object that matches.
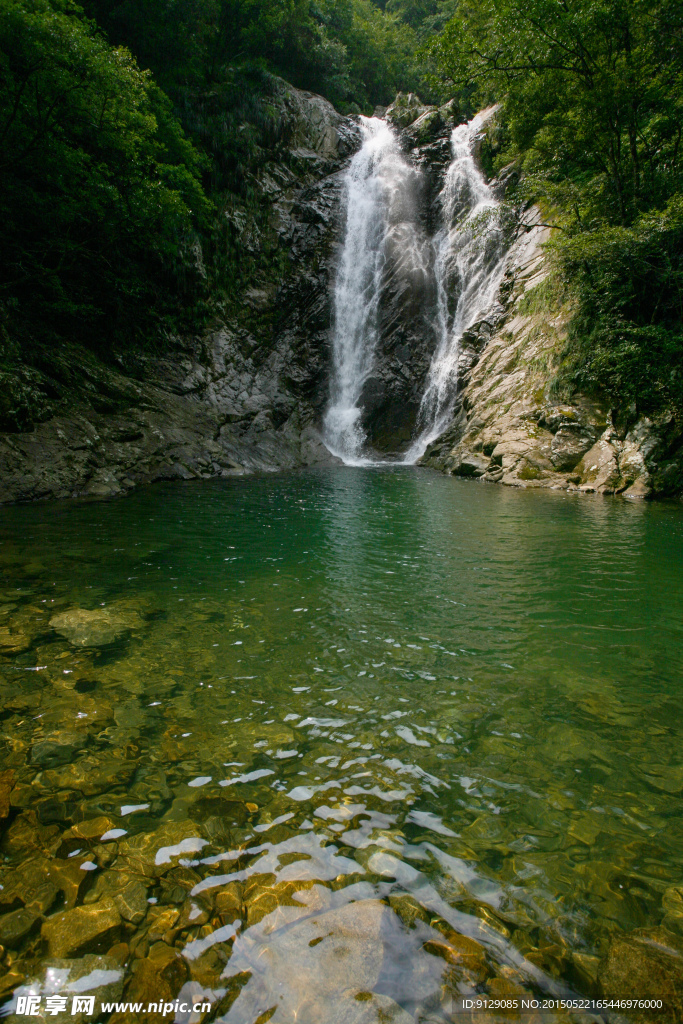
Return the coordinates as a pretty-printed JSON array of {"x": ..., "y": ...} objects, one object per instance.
[
  {"x": 466, "y": 257},
  {"x": 469, "y": 263},
  {"x": 380, "y": 201}
]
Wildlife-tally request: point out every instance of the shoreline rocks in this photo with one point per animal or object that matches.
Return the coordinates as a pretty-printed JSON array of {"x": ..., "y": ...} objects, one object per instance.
[{"x": 507, "y": 426}]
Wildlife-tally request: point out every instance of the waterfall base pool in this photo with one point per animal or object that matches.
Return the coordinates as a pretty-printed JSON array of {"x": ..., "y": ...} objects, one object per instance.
[{"x": 341, "y": 746}]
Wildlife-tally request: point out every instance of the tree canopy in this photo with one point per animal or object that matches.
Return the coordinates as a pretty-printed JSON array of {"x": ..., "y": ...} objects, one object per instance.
[
  {"x": 352, "y": 51},
  {"x": 100, "y": 196}
]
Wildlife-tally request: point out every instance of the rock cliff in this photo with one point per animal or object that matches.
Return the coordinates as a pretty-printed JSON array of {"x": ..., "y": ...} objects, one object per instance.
[
  {"x": 251, "y": 393},
  {"x": 509, "y": 428},
  {"x": 245, "y": 397}
]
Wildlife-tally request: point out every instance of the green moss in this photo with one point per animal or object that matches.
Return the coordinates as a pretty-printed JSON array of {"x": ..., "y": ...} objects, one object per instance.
[{"x": 548, "y": 295}]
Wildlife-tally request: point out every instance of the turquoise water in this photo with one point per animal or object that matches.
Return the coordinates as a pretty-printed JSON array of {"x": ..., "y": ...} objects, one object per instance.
[{"x": 406, "y": 739}]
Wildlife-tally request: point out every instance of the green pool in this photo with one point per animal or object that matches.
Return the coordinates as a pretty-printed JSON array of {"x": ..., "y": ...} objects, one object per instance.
[{"x": 343, "y": 745}]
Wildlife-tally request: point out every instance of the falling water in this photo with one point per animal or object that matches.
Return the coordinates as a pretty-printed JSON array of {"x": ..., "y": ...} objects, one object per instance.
[
  {"x": 469, "y": 264},
  {"x": 380, "y": 189}
]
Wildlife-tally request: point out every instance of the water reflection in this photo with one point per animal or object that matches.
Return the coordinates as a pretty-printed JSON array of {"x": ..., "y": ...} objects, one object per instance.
[{"x": 359, "y": 743}]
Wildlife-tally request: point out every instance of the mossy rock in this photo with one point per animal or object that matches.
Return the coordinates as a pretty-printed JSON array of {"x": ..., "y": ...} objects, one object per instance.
[
  {"x": 405, "y": 109},
  {"x": 529, "y": 472},
  {"x": 23, "y": 400}
]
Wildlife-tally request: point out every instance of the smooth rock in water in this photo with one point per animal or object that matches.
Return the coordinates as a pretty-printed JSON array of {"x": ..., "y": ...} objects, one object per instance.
[
  {"x": 645, "y": 964},
  {"x": 408, "y": 909},
  {"x": 88, "y": 776},
  {"x": 94, "y": 828},
  {"x": 88, "y": 929},
  {"x": 13, "y": 643},
  {"x": 10, "y": 982},
  {"x": 262, "y": 899},
  {"x": 155, "y": 853},
  {"x": 157, "y": 978},
  {"x": 6, "y": 783},
  {"x": 666, "y": 778},
  {"x": 369, "y": 1008},
  {"x": 97, "y": 628},
  {"x": 15, "y": 927},
  {"x": 131, "y": 902},
  {"x": 338, "y": 956},
  {"x": 58, "y": 748},
  {"x": 28, "y": 887},
  {"x": 672, "y": 903},
  {"x": 228, "y": 902},
  {"x": 466, "y": 955},
  {"x": 26, "y": 835},
  {"x": 40, "y": 898}
]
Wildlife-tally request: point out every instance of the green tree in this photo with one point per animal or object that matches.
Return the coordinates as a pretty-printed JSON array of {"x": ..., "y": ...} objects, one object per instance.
[
  {"x": 349, "y": 50},
  {"x": 592, "y": 93},
  {"x": 99, "y": 188}
]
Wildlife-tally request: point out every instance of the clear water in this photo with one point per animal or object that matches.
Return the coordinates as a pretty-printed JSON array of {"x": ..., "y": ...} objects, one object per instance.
[{"x": 401, "y": 737}]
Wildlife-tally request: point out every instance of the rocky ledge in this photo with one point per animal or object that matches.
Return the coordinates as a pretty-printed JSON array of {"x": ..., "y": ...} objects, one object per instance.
[
  {"x": 509, "y": 428},
  {"x": 205, "y": 412}
]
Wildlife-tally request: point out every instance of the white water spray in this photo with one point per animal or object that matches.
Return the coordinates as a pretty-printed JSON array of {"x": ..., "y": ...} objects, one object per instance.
[
  {"x": 469, "y": 265},
  {"x": 380, "y": 189}
]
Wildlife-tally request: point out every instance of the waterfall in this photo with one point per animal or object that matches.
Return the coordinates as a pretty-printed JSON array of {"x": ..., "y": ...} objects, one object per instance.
[
  {"x": 380, "y": 188},
  {"x": 469, "y": 264}
]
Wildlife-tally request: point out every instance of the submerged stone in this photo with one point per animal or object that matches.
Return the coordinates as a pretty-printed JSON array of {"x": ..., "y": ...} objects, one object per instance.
[
  {"x": 58, "y": 748},
  {"x": 17, "y": 926},
  {"x": 96, "y": 628},
  {"x": 647, "y": 963},
  {"x": 156, "y": 978},
  {"x": 6, "y": 783},
  {"x": 132, "y": 903},
  {"x": 88, "y": 776},
  {"x": 155, "y": 853},
  {"x": 672, "y": 903},
  {"x": 12, "y": 642},
  {"x": 87, "y": 929},
  {"x": 94, "y": 828},
  {"x": 317, "y": 965},
  {"x": 91, "y": 975},
  {"x": 26, "y": 835}
]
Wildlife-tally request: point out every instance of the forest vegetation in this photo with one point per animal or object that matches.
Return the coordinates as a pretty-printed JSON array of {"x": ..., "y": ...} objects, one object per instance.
[
  {"x": 592, "y": 107},
  {"x": 126, "y": 124}
]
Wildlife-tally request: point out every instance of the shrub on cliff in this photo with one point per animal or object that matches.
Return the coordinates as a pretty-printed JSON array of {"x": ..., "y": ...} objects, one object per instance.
[{"x": 627, "y": 335}]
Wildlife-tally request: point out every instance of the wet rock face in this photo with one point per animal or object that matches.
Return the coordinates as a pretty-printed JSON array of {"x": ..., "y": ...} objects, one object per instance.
[
  {"x": 407, "y": 332},
  {"x": 391, "y": 396},
  {"x": 248, "y": 396},
  {"x": 508, "y": 427}
]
